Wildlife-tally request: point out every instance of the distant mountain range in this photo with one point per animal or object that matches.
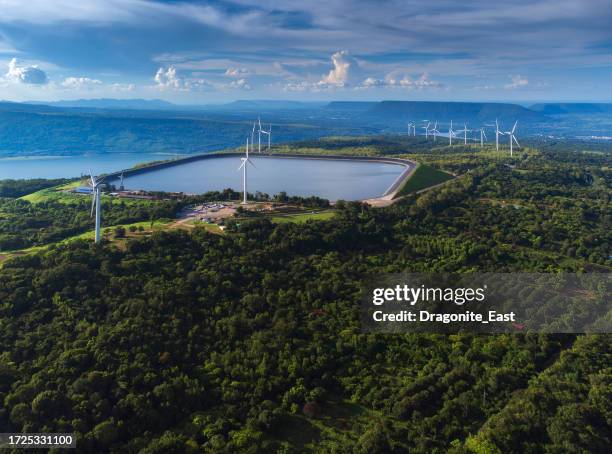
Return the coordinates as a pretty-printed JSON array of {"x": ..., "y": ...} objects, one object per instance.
[
  {"x": 108, "y": 103},
  {"x": 456, "y": 111},
  {"x": 141, "y": 125},
  {"x": 572, "y": 108},
  {"x": 443, "y": 111}
]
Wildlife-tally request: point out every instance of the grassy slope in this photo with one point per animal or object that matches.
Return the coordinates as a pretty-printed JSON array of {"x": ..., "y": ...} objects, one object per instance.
[{"x": 423, "y": 177}]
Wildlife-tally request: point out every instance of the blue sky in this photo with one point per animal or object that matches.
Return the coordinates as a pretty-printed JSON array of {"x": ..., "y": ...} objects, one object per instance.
[{"x": 210, "y": 52}]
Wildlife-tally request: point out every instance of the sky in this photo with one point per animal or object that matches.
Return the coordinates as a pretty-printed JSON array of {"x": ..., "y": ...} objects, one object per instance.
[{"x": 199, "y": 52}]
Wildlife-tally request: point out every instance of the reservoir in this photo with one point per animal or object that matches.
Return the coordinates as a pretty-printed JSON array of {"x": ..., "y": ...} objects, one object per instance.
[{"x": 327, "y": 178}]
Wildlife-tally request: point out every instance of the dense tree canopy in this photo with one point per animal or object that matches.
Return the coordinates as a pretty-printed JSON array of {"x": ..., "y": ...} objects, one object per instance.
[{"x": 250, "y": 341}]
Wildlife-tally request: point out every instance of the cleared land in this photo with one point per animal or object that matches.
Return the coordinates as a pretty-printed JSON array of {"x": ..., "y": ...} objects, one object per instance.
[{"x": 303, "y": 217}]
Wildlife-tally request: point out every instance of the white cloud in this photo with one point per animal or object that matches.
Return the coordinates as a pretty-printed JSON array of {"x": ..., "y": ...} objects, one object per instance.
[
  {"x": 300, "y": 86},
  {"x": 25, "y": 74},
  {"x": 342, "y": 75},
  {"x": 236, "y": 72},
  {"x": 339, "y": 75},
  {"x": 395, "y": 79},
  {"x": 167, "y": 78},
  {"x": 241, "y": 84},
  {"x": 518, "y": 81},
  {"x": 121, "y": 87},
  {"x": 78, "y": 83}
]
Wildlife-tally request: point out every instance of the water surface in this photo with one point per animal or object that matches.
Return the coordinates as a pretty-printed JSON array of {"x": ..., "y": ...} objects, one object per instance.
[
  {"x": 72, "y": 166},
  {"x": 330, "y": 179}
]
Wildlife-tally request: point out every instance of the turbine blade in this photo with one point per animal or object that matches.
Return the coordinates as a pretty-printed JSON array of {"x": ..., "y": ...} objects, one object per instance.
[{"x": 515, "y": 141}]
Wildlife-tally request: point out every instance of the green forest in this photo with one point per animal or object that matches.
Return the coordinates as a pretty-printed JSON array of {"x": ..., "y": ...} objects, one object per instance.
[{"x": 250, "y": 341}]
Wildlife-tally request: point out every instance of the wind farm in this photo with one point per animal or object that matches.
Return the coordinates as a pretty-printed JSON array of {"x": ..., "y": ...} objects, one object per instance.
[{"x": 480, "y": 136}]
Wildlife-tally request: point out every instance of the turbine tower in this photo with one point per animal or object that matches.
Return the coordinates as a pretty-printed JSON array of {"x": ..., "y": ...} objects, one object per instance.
[
  {"x": 121, "y": 187},
  {"x": 451, "y": 133},
  {"x": 483, "y": 137},
  {"x": 435, "y": 131},
  {"x": 268, "y": 133},
  {"x": 411, "y": 129},
  {"x": 96, "y": 183},
  {"x": 252, "y": 135},
  {"x": 512, "y": 136},
  {"x": 243, "y": 166},
  {"x": 426, "y": 127},
  {"x": 497, "y": 131},
  {"x": 465, "y": 131},
  {"x": 259, "y": 131}
]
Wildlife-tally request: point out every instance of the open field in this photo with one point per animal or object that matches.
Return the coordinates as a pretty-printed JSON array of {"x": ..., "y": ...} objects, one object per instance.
[{"x": 303, "y": 217}]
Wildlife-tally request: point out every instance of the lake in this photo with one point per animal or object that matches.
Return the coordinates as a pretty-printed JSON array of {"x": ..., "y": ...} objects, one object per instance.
[
  {"x": 329, "y": 179},
  {"x": 72, "y": 166}
]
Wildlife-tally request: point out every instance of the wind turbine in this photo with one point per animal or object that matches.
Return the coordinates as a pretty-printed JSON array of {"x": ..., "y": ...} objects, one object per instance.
[
  {"x": 465, "y": 131},
  {"x": 96, "y": 183},
  {"x": 243, "y": 166},
  {"x": 268, "y": 133},
  {"x": 451, "y": 133},
  {"x": 121, "y": 187},
  {"x": 252, "y": 135},
  {"x": 259, "y": 135},
  {"x": 435, "y": 131},
  {"x": 411, "y": 129},
  {"x": 483, "y": 137},
  {"x": 497, "y": 131},
  {"x": 512, "y": 136},
  {"x": 426, "y": 127}
]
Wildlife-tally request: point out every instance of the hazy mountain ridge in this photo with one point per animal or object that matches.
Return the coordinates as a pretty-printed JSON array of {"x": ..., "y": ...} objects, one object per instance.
[
  {"x": 572, "y": 108},
  {"x": 109, "y": 103},
  {"x": 457, "y": 111}
]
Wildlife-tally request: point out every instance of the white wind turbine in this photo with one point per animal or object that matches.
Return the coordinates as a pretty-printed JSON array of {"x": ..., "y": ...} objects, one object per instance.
[
  {"x": 426, "y": 127},
  {"x": 483, "y": 137},
  {"x": 243, "y": 166},
  {"x": 268, "y": 133},
  {"x": 435, "y": 131},
  {"x": 451, "y": 133},
  {"x": 411, "y": 129},
  {"x": 253, "y": 135},
  {"x": 96, "y": 183},
  {"x": 512, "y": 136},
  {"x": 465, "y": 130},
  {"x": 497, "y": 131}
]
